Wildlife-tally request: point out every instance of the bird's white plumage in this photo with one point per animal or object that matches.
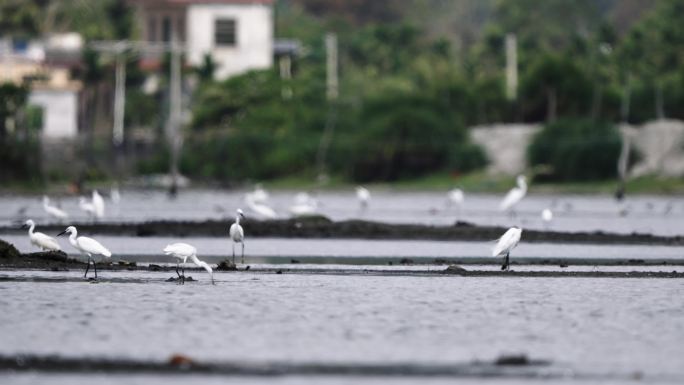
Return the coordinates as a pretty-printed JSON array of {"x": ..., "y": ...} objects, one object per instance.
[
  {"x": 304, "y": 204},
  {"x": 183, "y": 252},
  {"x": 86, "y": 206},
  {"x": 92, "y": 246},
  {"x": 180, "y": 251},
  {"x": 98, "y": 204},
  {"x": 52, "y": 210},
  {"x": 507, "y": 242},
  {"x": 363, "y": 195},
  {"x": 237, "y": 234},
  {"x": 41, "y": 240},
  {"x": 547, "y": 215},
  {"x": 515, "y": 195},
  {"x": 456, "y": 196},
  {"x": 259, "y": 207},
  {"x": 86, "y": 245}
]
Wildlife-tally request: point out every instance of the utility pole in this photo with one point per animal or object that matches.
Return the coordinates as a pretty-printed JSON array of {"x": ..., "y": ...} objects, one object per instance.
[
  {"x": 174, "y": 122},
  {"x": 332, "y": 92},
  {"x": 511, "y": 67}
]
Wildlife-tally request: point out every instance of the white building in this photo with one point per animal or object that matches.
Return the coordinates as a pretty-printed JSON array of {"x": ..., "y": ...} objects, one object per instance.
[
  {"x": 236, "y": 34},
  {"x": 46, "y": 64}
]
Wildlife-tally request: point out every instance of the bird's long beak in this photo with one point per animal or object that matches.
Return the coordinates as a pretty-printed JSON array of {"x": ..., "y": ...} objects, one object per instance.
[{"x": 62, "y": 233}]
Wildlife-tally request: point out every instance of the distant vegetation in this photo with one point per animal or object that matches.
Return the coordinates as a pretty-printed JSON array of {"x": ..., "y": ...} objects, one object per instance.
[{"x": 414, "y": 74}]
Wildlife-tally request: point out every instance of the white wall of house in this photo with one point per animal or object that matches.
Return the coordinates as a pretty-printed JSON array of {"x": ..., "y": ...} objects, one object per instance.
[
  {"x": 254, "y": 30},
  {"x": 60, "y": 112}
]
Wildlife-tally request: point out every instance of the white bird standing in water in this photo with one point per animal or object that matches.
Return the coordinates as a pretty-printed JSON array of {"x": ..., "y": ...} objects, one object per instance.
[
  {"x": 547, "y": 216},
  {"x": 363, "y": 196},
  {"x": 259, "y": 195},
  {"x": 505, "y": 244},
  {"x": 41, "y": 240},
  {"x": 53, "y": 211},
  {"x": 86, "y": 206},
  {"x": 259, "y": 206},
  {"x": 515, "y": 195},
  {"x": 455, "y": 197},
  {"x": 304, "y": 204},
  {"x": 87, "y": 246},
  {"x": 183, "y": 251},
  {"x": 98, "y": 204},
  {"x": 237, "y": 234}
]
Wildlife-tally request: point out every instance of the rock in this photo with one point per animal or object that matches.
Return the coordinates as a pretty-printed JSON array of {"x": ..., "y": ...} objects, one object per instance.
[
  {"x": 512, "y": 360},
  {"x": 441, "y": 261},
  {"x": 226, "y": 266},
  {"x": 294, "y": 261},
  {"x": 181, "y": 361},
  {"x": 563, "y": 265},
  {"x": 279, "y": 272},
  {"x": 8, "y": 251},
  {"x": 154, "y": 267},
  {"x": 406, "y": 261}
]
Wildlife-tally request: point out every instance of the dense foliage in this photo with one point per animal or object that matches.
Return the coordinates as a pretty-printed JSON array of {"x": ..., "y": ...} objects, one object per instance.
[{"x": 576, "y": 149}]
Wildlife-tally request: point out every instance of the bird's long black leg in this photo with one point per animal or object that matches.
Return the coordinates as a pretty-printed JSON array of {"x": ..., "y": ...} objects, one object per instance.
[
  {"x": 95, "y": 268},
  {"x": 177, "y": 264},
  {"x": 183, "y": 278},
  {"x": 87, "y": 268},
  {"x": 508, "y": 261},
  {"x": 243, "y": 252},
  {"x": 233, "y": 253}
]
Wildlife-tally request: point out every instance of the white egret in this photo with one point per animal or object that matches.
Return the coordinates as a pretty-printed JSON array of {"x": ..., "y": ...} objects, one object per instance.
[
  {"x": 259, "y": 195},
  {"x": 259, "y": 207},
  {"x": 515, "y": 195},
  {"x": 98, "y": 204},
  {"x": 41, "y": 240},
  {"x": 183, "y": 251},
  {"x": 363, "y": 196},
  {"x": 87, "y": 246},
  {"x": 547, "y": 215},
  {"x": 455, "y": 197},
  {"x": 305, "y": 204},
  {"x": 86, "y": 206},
  {"x": 53, "y": 211},
  {"x": 506, "y": 243},
  {"x": 237, "y": 234},
  {"x": 115, "y": 194}
]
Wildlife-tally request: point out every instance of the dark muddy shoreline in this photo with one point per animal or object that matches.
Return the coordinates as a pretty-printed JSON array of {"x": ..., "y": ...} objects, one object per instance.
[{"x": 321, "y": 227}]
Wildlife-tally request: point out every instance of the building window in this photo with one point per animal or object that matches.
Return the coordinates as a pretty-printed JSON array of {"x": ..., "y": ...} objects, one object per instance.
[
  {"x": 225, "y": 32},
  {"x": 166, "y": 29}
]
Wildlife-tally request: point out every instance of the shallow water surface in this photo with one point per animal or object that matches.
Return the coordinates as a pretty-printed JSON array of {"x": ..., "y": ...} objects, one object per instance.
[
  {"x": 645, "y": 214},
  {"x": 608, "y": 327}
]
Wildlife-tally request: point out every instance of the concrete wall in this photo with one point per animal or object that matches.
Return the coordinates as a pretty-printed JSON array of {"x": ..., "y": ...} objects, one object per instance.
[
  {"x": 60, "y": 112},
  {"x": 661, "y": 144},
  {"x": 254, "y": 30}
]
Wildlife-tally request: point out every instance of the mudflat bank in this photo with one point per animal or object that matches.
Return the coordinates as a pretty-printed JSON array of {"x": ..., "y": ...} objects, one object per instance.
[{"x": 322, "y": 227}]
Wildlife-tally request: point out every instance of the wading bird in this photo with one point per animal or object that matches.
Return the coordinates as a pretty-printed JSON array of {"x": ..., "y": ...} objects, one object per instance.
[
  {"x": 98, "y": 204},
  {"x": 304, "y": 204},
  {"x": 547, "y": 216},
  {"x": 53, "y": 211},
  {"x": 237, "y": 234},
  {"x": 455, "y": 197},
  {"x": 87, "y": 246},
  {"x": 363, "y": 196},
  {"x": 183, "y": 251},
  {"x": 86, "y": 206},
  {"x": 505, "y": 244},
  {"x": 515, "y": 195},
  {"x": 259, "y": 207},
  {"x": 41, "y": 240}
]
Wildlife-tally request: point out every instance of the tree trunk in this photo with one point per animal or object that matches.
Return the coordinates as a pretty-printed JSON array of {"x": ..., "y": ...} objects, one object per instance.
[
  {"x": 660, "y": 110},
  {"x": 626, "y": 99},
  {"x": 551, "y": 104}
]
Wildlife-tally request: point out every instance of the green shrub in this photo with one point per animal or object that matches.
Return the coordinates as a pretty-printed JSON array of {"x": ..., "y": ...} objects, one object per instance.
[{"x": 576, "y": 149}]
